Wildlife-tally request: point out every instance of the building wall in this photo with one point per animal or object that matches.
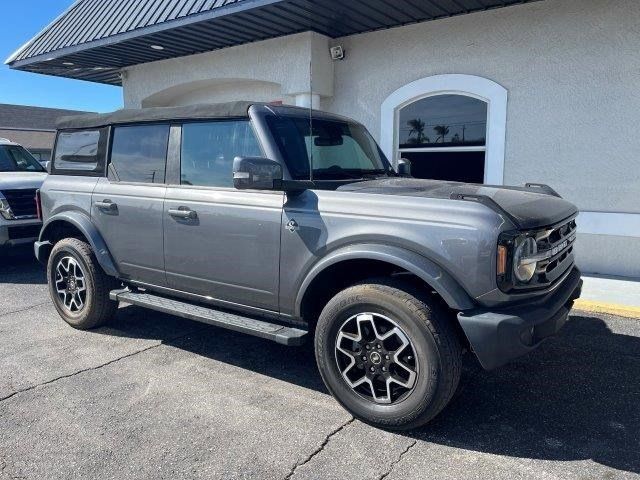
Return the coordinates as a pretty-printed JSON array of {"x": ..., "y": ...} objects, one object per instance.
[
  {"x": 571, "y": 69},
  {"x": 572, "y": 72},
  {"x": 38, "y": 142},
  {"x": 276, "y": 69}
]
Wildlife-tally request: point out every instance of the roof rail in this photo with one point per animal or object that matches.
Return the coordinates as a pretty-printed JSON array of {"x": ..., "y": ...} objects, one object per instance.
[{"x": 541, "y": 186}]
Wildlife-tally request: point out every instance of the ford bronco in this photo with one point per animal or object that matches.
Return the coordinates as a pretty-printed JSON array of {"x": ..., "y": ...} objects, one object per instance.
[{"x": 277, "y": 223}]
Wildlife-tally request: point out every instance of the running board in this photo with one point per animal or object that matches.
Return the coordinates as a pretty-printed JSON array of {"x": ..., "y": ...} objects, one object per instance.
[{"x": 259, "y": 328}]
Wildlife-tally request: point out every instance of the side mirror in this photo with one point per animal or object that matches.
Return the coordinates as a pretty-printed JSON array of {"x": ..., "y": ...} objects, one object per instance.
[
  {"x": 256, "y": 173},
  {"x": 404, "y": 167},
  {"x": 47, "y": 166}
]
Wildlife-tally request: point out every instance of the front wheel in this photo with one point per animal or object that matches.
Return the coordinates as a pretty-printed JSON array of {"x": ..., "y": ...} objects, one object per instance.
[
  {"x": 388, "y": 353},
  {"x": 78, "y": 286}
]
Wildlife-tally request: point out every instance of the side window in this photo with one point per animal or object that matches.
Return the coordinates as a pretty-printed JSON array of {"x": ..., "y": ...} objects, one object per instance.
[
  {"x": 208, "y": 150},
  {"x": 139, "y": 153},
  {"x": 80, "y": 152}
]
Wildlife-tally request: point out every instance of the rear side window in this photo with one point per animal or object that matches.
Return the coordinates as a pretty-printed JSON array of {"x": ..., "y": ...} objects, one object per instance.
[
  {"x": 208, "y": 150},
  {"x": 139, "y": 153},
  {"x": 80, "y": 152}
]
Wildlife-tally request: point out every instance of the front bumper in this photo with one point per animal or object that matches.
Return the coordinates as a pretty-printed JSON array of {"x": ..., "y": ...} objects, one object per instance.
[
  {"x": 16, "y": 232},
  {"x": 499, "y": 336}
]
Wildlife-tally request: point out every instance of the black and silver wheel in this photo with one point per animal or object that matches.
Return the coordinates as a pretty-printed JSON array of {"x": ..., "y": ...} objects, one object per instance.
[
  {"x": 376, "y": 358},
  {"x": 70, "y": 284},
  {"x": 78, "y": 286},
  {"x": 388, "y": 353}
]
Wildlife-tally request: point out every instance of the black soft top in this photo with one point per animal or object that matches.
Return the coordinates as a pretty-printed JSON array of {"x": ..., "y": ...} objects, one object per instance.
[
  {"x": 156, "y": 114},
  {"x": 202, "y": 111}
]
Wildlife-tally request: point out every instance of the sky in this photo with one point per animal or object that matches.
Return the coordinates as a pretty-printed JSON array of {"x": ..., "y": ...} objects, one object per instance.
[{"x": 21, "y": 20}]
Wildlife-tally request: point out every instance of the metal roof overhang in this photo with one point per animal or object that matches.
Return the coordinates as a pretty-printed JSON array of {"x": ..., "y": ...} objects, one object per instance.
[{"x": 101, "y": 60}]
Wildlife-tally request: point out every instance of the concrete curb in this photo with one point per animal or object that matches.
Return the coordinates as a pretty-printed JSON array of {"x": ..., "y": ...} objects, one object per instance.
[{"x": 609, "y": 308}]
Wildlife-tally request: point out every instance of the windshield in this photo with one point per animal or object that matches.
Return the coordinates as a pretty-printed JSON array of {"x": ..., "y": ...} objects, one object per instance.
[
  {"x": 14, "y": 158},
  {"x": 339, "y": 149}
]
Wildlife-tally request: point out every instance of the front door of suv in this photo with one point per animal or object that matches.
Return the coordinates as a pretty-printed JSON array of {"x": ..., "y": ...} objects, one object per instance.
[
  {"x": 220, "y": 242},
  {"x": 128, "y": 204}
]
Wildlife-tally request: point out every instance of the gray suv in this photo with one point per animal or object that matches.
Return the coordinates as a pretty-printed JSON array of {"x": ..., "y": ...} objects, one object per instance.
[{"x": 273, "y": 222}]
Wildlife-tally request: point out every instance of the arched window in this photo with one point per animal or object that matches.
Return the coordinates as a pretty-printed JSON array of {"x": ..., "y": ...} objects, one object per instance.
[{"x": 451, "y": 127}]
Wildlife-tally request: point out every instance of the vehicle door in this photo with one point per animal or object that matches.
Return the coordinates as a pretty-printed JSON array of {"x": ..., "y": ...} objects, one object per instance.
[
  {"x": 221, "y": 242},
  {"x": 128, "y": 205}
]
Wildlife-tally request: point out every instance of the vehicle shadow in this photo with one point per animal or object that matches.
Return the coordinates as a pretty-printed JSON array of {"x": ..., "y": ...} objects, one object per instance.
[
  {"x": 18, "y": 265},
  {"x": 575, "y": 398}
]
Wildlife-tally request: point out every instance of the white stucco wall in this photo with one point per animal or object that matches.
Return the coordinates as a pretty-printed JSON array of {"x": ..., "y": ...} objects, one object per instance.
[
  {"x": 571, "y": 69},
  {"x": 572, "y": 72},
  {"x": 276, "y": 69}
]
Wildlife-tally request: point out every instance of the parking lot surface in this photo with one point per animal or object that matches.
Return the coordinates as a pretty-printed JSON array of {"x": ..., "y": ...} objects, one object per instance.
[{"x": 155, "y": 396}]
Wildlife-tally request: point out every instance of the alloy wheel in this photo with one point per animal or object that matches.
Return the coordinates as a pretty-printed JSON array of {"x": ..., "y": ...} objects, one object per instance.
[
  {"x": 70, "y": 284},
  {"x": 376, "y": 358}
]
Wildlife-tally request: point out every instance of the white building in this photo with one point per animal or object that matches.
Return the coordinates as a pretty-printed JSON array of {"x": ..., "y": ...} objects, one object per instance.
[{"x": 545, "y": 91}]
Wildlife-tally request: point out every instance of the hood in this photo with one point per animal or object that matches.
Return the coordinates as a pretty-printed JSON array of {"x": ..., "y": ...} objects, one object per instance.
[
  {"x": 17, "y": 180},
  {"x": 526, "y": 208}
]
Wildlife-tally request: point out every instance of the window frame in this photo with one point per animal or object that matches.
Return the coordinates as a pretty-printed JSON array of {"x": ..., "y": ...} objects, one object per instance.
[
  {"x": 494, "y": 94},
  {"x": 102, "y": 155},
  {"x": 110, "y": 150}
]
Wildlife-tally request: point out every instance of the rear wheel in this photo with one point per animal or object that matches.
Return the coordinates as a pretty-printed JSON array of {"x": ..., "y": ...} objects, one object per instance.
[
  {"x": 388, "y": 353},
  {"x": 78, "y": 286}
]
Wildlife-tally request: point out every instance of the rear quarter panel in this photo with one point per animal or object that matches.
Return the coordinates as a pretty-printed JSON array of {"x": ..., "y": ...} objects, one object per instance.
[{"x": 66, "y": 193}]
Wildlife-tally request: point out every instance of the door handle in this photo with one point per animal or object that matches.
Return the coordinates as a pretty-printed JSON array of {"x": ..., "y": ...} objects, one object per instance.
[
  {"x": 106, "y": 205},
  {"x": 183, "y": 212}
]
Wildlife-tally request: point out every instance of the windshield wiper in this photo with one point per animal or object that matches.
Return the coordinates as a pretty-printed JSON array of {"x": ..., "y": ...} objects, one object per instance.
[
  {"x": 335, "y": 170},
  {"x": 350, "y": 173}
]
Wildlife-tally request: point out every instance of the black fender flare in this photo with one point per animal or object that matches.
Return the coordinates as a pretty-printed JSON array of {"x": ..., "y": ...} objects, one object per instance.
[
  {"x": 83, "y": 223},
  {"x": 424, "y": 268}
]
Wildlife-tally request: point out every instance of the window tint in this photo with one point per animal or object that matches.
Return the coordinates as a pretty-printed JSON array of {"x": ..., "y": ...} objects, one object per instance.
[
  {"x": 14, "y": 158},
  {"x": 139, "y": 153},
  {"x": 208, "y": 150},
  {"x": 79, "y": 151},
  {"x": 443, "y": 121}
]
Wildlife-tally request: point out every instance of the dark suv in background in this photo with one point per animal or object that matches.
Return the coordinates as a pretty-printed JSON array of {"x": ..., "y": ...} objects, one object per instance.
[{"x": 269, "y": 221}]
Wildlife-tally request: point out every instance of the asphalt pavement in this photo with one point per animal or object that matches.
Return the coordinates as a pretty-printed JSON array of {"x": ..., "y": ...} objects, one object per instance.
[{"x": 155, "y": 396}]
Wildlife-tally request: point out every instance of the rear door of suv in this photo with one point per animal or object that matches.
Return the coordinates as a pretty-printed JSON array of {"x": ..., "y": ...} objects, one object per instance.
[
  {"x": 220, "y": 242},
  {"x": 127, "y": 205}
]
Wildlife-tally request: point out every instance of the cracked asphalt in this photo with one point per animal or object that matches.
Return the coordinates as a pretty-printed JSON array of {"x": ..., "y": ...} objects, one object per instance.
[{"x": 154, "y": 396}]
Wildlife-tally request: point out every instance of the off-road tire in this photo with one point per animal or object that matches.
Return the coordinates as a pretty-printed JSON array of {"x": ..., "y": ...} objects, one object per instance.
[
  {"x": 98, "y": 308},
  {"x": 426, "y": 323}
]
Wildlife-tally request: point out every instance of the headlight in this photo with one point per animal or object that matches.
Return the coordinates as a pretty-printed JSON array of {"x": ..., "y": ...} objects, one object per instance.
[
  {"x": 523, "y": 266},
  {"x": 5, "y": 209}
]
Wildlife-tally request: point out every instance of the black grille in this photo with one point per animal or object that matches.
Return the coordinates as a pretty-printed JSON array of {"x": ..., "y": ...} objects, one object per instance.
[
  {"x": 22, "y": 202},
  {"x": 26, "y": 231},
  {"x": 559, "y": 242}
]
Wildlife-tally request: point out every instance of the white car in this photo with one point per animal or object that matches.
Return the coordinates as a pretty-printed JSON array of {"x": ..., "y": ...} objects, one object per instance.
[{"x": 20, "y": 176}]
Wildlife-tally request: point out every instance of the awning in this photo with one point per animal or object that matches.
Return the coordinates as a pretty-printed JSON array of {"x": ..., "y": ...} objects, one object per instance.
[{"x": 94, "y": 39}]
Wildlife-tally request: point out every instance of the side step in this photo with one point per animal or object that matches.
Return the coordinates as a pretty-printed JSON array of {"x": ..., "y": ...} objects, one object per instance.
[{"x": 259, "y": 328}]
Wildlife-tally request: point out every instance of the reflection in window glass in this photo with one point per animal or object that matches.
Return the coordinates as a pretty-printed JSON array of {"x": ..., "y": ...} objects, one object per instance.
[
  {"x": 139, "y": 153},
  {"x": 340, "y": 149},
  {"x": 77, "y": 150},
  {"x": 208, "y": 150},
  {"x": 443, "y": 121}
]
